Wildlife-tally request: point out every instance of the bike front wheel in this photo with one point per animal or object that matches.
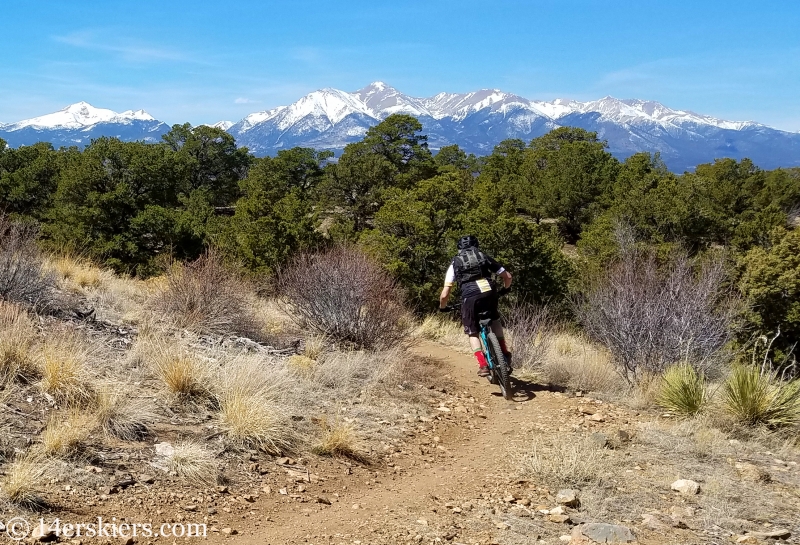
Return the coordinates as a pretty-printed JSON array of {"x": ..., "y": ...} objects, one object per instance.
[{"x": 501, "y": 369}]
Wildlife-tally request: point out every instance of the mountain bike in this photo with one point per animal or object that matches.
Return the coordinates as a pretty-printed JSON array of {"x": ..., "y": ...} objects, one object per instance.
[{"x": 499, "y": 370}]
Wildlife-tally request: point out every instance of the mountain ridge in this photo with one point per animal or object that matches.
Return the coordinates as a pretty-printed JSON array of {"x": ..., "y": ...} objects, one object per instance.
[{"x": 330, "y": 118}]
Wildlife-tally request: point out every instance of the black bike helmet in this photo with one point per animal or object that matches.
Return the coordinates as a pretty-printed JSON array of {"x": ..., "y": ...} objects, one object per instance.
[{"x": 467, "y": 241}]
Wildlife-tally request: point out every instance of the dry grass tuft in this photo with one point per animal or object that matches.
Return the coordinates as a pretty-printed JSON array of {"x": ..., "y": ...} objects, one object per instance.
[
  {"x": 64, "y": 368},
  {"x": 78, "y": 273},
  {"x": 18, "y": 335},
  {"x": 302, "y": 366},
  {"x": 566, "y": 345},
  {"x": 444, "y": 330},
  {"x": 122, "y": 415},
  {"x": 340, "y": 440},
  {"x": 25, "y": 479},
  {"x": 645, "y": 393},
  {"x": 253, "y": 407},
  {"x": 255, "y": 421},
  {"x": 184, "y": 375},
  {"x": 353, "y": 373},
  {"x": 5, "y": 394},
  {"x": 271, "y": 317},
  {"x": 66, "y": 433},
  {"x": 692, "y": 436},
  {"x": 194, "y": 463},
  {"x": 567, "y": 461},
  {"x": 205, "y": 296},
  {"x": 314, "y": 346},
  {"x": 578, "y": 364}
]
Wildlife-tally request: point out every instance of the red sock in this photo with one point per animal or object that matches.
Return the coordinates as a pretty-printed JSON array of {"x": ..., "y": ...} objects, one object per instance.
[
  {"x": 481, "y": 359},
  {"x": 503, "y": 347}
]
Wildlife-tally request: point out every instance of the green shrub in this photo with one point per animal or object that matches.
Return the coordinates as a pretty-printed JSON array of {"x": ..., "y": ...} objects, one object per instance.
[
  {"x": 754, "y": 397},
  {"x": 771, "y": 282},
  {"x": 683, "y": 390}
]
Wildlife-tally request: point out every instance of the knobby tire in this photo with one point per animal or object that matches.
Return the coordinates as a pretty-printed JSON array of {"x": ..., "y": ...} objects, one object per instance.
[{"x": 501, "y": 367}]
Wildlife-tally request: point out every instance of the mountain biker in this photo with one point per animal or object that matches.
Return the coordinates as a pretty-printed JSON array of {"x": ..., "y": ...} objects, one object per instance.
[{"x": 471, "y": 269}]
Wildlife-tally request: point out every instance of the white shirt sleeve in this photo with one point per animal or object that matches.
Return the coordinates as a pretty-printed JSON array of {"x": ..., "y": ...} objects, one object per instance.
[
  {"x": 501, "y": 270},
  {"x": 450, "y": 276}
]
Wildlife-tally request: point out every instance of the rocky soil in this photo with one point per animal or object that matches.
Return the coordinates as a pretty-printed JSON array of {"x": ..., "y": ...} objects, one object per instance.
[{"x": 454, "y": 474}]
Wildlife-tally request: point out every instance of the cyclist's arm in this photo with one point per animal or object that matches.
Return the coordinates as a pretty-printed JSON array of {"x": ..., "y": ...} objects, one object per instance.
[
  {"x": 506, "y": 276},
  {"x": 444, "y": 297},
  {"x": 449, "y": 279},
  {"x": 500, "y": 271}
]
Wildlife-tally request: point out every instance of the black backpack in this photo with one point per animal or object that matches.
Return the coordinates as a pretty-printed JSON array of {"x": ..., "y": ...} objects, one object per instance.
[{"x": 470, "y": 264}]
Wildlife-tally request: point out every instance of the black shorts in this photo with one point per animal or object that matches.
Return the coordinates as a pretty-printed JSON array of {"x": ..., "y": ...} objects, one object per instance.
[{"x": 472, "y": 306}]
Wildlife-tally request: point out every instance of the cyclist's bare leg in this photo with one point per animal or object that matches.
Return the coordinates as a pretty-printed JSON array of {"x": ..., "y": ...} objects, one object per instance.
[{"x": 483, "y": 366}]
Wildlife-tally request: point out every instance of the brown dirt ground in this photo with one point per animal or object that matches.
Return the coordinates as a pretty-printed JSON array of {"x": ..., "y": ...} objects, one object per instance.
[{"x": 453, "y": 478}]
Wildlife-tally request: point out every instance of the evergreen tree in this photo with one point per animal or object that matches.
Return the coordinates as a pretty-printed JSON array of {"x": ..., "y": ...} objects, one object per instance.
[{"x": 275, "y": 217}]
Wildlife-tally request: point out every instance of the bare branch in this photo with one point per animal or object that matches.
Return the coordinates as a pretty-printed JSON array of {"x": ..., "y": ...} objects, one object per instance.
[{"x": 343, "y": 294}]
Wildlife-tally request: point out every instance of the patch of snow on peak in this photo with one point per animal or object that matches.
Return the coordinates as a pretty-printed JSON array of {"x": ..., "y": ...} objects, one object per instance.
[
  {"x": 384, "y": 100},
  {"x": 330, "y": 103},
  {"x": 557, "y": 108},
  {"x": 459, "y": 106},
  {"x": 378, "y": 85},
  {"x": 139, "y": 115},
  {"x": 637, "y": 111},
  {"x": 80, "y": 115},
  {"x": 259, "y": 117},
  {"x": 224, "y": 125}
]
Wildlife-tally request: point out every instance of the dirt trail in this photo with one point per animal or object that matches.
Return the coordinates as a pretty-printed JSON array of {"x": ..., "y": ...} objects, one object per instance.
[{"x": 419, "y": 487}]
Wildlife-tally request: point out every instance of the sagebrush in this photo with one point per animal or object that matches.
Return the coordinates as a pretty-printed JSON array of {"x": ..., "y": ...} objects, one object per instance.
[
  {"x": 531, "y": 328},
  {"x": 23, "y": 277},
  {"x": 343, "y": 294},
  {"x": 205, "y": 296},
  {"x": 652, "y": 313}
]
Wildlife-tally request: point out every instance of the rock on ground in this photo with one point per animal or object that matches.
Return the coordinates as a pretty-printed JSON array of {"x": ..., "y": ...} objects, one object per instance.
[
  {"x": 686, "y": 486},
  {"x": 568, "y": 497},
  {"x": 773, "y": 534},
  {"x": 597, "y": 532}
]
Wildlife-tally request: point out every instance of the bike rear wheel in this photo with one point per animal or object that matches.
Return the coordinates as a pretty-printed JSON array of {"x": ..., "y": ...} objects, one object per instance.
[{"x": 500, "y": 365}]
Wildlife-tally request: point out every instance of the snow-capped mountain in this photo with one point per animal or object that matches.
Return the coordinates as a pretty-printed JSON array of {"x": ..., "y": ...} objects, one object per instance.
[
  {"x": 224, "y": 125},
  {"x": 476, "y": 121},
  {"x": 383, "y": 100},
  {"x": 78, "y": 124},
  {"x": 78, "y": 116}
]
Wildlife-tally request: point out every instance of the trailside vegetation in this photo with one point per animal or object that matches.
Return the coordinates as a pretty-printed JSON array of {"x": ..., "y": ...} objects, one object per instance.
[{"x": 718, "y": 245}]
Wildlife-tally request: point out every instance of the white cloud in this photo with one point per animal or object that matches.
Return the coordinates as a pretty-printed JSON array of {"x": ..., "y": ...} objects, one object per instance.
[
  {"x": 128, "y": 50},
  {"x": 242, "y": 100}
]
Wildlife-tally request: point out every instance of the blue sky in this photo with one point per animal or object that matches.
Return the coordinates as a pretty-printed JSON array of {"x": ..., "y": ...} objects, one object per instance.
[{"x": 202, "y": 61}]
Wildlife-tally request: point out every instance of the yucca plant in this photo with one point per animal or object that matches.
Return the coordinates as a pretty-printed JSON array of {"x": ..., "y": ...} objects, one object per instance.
[
  {"x": 755, "y": 396},
  {"x": 683, "y": 390}
]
